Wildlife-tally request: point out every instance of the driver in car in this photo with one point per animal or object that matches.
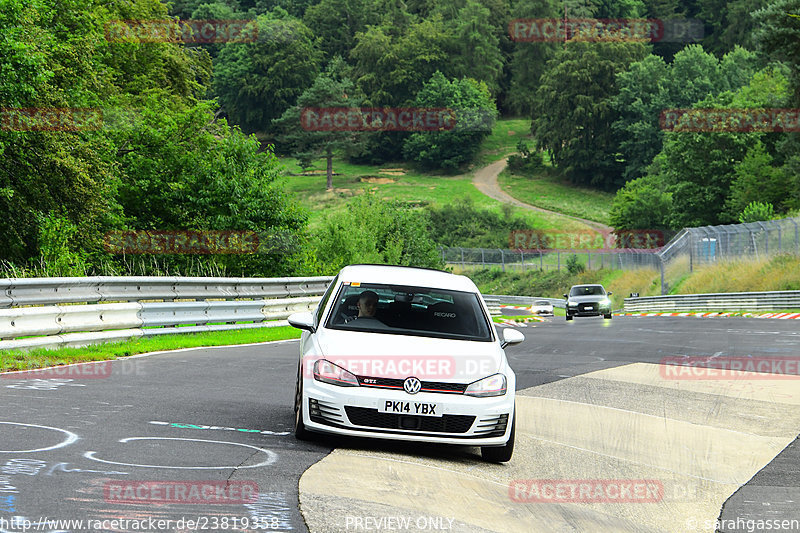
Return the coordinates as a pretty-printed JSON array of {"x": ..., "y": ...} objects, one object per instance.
[
  {"x": 367, "y": 304},
  {"x": 367, "y": 307}
]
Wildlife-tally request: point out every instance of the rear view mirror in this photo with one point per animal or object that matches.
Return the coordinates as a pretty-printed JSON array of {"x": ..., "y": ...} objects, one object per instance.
[
  {"x": 511, "y": 337},
  {"x": 303, "y": 320}
]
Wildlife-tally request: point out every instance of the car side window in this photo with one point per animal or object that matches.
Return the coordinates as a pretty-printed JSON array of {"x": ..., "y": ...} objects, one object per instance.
[{"x": 325, "y": 297}]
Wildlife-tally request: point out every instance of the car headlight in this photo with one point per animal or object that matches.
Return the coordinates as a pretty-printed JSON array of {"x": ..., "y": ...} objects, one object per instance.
[
  {"x": 327, "y": 372},
  {"x": 605, "y": 301},
  {"x": 572, "y": 304},
  {"x": 492, "y": 386}
]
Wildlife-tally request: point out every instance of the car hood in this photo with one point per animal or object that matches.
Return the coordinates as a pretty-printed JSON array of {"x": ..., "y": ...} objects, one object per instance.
[
  {"x": 591, "y": 298},
  {"x": 401, "y": 356}
]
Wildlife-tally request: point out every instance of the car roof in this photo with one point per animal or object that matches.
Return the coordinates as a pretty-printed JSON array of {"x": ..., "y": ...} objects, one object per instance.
[
  {"x": 400, "y": 275},
  {"x": 587, "y": 285}
]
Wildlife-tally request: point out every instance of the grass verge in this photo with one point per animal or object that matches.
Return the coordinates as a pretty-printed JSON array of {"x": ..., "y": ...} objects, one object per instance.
[
  {"x": 40, "y": 357},
  {"x": 548, "y": 191}
]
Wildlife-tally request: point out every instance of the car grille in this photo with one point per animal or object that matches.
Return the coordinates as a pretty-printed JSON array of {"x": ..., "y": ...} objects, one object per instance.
[
  {"x": 427, "y": 386},
  {"x": 324, "y": 412},
  {"x": 493, "y": 426},
  {"x": 363, "y": 416}
]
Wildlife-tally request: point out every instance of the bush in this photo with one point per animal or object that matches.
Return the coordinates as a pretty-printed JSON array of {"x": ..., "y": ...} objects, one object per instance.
[
  {"x": 525, "y": 162},
  {"x": 756, "y": 212},
  {"x": 462, "y": 224},
  {"x": 573, "y": 265},
  {"x": 375, "y": 231}
]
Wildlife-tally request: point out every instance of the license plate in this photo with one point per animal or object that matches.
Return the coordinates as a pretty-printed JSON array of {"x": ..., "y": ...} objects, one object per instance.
[
  {"x": 587, "y": 307},
  {"x": 409, "y": 408}
]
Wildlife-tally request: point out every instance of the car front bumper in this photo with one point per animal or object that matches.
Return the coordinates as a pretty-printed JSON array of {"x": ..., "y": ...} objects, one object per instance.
[
  {"x": 594, "y": 310},
  {"x": 353, "y": 411}
]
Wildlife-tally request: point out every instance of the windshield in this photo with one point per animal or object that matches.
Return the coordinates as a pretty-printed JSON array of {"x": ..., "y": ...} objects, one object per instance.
[
  {"x": 542, "y": 302},
  {"x": 405, "y": 310},
  {"x": 587, "y": 290}
]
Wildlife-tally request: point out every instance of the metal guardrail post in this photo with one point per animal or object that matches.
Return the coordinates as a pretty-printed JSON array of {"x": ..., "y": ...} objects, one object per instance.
[
  {"x": 766, "y": 237},
  {"x": 796, "y": 236}
]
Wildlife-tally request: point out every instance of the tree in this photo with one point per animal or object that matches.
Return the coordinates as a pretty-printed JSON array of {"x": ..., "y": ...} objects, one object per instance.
[
  {"x": 390, "y": 70},
  {"x": 391, "y": 64},
  {"x": 336, "y": 23},
  {"x": 756, "y": 180},
  {"x": 330, "y": 90},
  {"x": 573, "y": 112},
  {"x": 528, "y": 59},
  {"x": 730, "y": 22},
  {"x": 256, "y": 82},
  {"x": 480, "y": 56},
  {"x": 185, "y": 169},
  {"x": 475, "y": 115},
  {"x": 642, "y": 203},
  {"x": 699, "y": 167},
  {"x": 651, "y": 86}
]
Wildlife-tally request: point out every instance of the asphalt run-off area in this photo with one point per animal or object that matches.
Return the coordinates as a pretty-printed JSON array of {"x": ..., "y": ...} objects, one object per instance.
[{"x": 607, "y": 440}]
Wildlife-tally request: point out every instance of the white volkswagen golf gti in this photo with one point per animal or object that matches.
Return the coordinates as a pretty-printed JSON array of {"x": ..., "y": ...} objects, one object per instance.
[{"x": 409, "y": 354}]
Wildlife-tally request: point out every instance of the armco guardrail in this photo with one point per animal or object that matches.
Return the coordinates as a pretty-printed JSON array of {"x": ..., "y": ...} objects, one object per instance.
[
  {"x": 204, "y": 304},
  {"x": 53, "y": 291},
  {"x": 525, "y": 300},
  {"x": 732, "y": 301}
]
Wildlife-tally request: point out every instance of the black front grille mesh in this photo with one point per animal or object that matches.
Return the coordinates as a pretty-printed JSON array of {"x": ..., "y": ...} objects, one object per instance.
[{"x": 363, "y": 416}]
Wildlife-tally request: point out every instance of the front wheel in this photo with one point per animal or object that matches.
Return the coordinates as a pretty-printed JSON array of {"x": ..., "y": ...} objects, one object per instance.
[
  {"x": 501, "y": 454},
  {"x": 300, "y": 431},
  {"x": 607, "y": 317},
  {"x": 569, "y": 317}
]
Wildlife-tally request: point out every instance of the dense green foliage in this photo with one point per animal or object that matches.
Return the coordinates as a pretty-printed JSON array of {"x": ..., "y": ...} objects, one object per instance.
[
  {"x": 472, "y": 122},
  {"x": 169, "y": 152},
  {"x": 373, "y": 231},
  {"x": 462, "y": 224}
]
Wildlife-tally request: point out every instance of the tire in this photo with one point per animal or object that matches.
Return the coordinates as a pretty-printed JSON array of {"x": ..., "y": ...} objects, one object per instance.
[
  {"x": 501, "y": 454},
  {"x": 569, "y": 317},
  {"x": 607, "y": 317},
  {"x": 300, "y": 431}
]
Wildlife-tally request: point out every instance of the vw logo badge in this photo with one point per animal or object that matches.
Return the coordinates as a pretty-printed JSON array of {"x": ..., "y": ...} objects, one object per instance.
[{"x": 412, "y": 385}]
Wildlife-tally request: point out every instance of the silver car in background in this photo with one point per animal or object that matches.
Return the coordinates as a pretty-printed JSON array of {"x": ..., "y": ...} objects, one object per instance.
[{"x": 588, "y": 300}]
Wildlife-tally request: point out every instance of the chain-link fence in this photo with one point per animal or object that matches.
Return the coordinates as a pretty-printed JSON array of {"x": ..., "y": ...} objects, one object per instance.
[
  {"x": 690, "y": 248},
  {"x": 517, "y": 260},
  {"x": 694, "y": 247}
]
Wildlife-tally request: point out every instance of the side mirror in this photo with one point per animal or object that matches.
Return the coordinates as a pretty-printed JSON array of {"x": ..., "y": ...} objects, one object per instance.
[
  {"x": 609, "y": 293},
  {"x": 565, "y": 295},
  {"x": 304, "y": 320},
  {"x": 511, "y": 337}
]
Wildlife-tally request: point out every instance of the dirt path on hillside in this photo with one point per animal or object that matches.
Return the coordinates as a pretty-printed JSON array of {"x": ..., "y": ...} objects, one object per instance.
[{"x": 485, "y": 180}]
